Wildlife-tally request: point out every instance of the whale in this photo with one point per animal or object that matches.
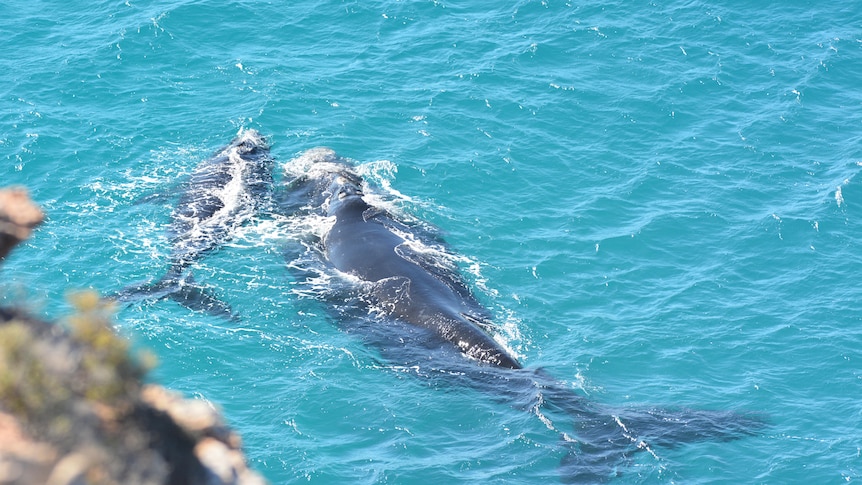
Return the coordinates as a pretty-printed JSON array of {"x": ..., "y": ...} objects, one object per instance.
[
  {"x": 420, "y": 313},
  {"x": 400, "y": 283},
  {"x": 222, "y": 193}
]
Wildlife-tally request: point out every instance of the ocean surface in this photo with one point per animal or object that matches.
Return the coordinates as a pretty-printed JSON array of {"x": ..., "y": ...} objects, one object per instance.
[{"x": 660, "y": 203}]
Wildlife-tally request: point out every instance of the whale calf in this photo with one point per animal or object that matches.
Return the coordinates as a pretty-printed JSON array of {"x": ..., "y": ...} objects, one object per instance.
[
  {"x": 222, "y": 193},
  {"x": 425, "y": 317}
]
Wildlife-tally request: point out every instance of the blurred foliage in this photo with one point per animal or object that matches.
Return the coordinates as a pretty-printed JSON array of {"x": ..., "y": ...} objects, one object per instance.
[{"x": 50, "y": 377}]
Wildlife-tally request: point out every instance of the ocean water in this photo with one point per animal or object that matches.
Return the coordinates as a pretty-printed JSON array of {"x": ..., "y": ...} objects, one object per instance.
[{"x": 659, "y": 202}]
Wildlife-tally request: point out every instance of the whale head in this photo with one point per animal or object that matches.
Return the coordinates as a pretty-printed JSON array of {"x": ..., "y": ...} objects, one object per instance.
[
  {"x": 344, "y": 191},
  {"x": 320, "y": 181},
  {"x": 252, "y": 149}
]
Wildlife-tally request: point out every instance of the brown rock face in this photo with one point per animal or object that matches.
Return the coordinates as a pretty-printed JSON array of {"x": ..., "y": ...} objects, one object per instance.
[{"x": 18, "y": 216}]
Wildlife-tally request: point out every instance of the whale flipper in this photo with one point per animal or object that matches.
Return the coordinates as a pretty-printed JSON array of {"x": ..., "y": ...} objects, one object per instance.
[{"x": 183, "y": 290}]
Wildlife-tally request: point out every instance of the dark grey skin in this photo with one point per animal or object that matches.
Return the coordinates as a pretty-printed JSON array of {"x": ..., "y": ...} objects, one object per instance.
[
  {"x": 221, "y": 193},
  {"x": 361, "y": 244},
  {"x": 428, "y": 319}
]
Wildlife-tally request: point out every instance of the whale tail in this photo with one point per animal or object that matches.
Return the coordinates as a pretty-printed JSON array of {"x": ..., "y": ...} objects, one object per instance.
[
  {"x": 606, "y": 438},
  {"x": 181, "y": 288},
  {"x": 603, "y": 446},
  {"x": 672, "y": 427}
]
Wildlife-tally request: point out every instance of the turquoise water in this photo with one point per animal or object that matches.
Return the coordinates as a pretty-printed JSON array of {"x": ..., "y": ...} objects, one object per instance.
[{"x": 658, "y": 201}]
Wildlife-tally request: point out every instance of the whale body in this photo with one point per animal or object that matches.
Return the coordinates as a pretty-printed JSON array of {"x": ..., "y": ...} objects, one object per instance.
[
  {"x": 400, "y": 283},
  {"x": 222, "y": 193}
]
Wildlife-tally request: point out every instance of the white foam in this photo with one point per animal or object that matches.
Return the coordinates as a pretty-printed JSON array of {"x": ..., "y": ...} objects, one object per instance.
[
  {"x": 250, "y": 135},
  {"x": 314, "y": 163}
]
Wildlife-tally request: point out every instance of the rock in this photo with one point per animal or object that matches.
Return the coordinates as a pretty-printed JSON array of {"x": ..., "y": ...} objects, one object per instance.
[
  {"x": 18, "y": 217},
  {"x": 23, "y": 459},
  {"x": 73, "y": 410},
  {"x": 217, "y": 447}
]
